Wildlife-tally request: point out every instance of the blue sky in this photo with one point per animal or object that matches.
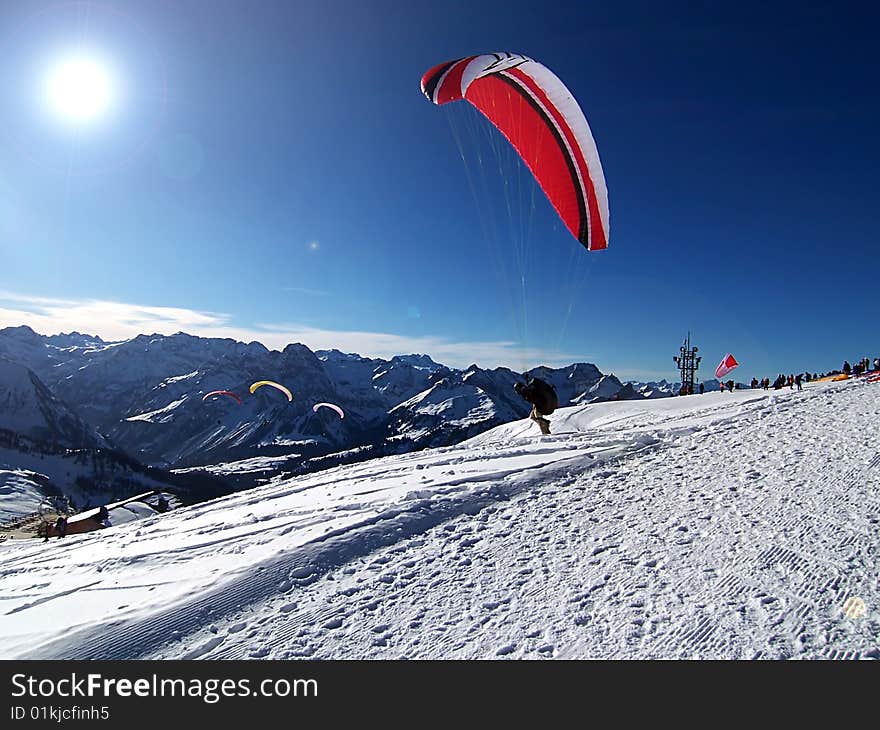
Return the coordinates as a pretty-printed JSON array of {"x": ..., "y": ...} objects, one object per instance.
[{"x": 270, "y": 170}]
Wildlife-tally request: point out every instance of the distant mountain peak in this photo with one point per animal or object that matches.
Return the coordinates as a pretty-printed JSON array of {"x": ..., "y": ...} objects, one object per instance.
[
  {"x": 21, "y": 331},
  {"x": 417, "y": 361}
]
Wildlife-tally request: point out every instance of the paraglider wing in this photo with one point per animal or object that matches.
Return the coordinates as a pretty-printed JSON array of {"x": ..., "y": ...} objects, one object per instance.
[
  {"x": 221, "y": 392},
  {"x": 328, "y": 405},
  {"x": 538, "y": 115},
  {"x": 728, "y": 363},
  {"x": 261, "y": 383}
]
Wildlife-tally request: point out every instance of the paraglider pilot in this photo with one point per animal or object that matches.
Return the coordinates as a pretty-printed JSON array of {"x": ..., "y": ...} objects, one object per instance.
[{"x": 543, "y": 398}]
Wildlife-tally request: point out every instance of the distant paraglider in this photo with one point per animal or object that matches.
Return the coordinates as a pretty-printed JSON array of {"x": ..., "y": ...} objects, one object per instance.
[
  {"x": 328, "y": 405},
  {"x": 278, "y": 386},
  {"x": 228, "y": 393}
]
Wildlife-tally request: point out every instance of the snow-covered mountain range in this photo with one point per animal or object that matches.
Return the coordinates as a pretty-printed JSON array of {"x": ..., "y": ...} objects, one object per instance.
[{"x": 144, "y": 397}]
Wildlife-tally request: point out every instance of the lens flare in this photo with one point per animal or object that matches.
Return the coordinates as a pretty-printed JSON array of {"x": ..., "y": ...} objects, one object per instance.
[{"x": 854, "y": 607}]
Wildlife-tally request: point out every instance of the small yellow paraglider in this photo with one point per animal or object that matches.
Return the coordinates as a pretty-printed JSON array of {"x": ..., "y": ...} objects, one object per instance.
[{"x": 280, "y": 387}]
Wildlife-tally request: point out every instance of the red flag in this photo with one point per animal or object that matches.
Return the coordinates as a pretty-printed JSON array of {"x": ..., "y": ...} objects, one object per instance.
[{"x": 728, "y": 363}]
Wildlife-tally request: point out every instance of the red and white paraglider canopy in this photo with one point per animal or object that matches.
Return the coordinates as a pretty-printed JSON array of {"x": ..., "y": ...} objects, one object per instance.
[
  {"x": 539, "y": 116},
  {"x": 227, "y": 393}
]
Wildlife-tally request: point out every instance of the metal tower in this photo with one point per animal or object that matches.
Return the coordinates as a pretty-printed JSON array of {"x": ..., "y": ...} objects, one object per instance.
[{"x": 688, "y": 362}]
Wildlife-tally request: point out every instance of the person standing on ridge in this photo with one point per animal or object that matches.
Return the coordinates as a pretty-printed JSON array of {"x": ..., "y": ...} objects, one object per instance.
[{"x": 543, "y": 398}]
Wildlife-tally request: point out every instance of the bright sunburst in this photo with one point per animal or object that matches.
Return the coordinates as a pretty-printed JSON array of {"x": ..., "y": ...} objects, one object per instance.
[{"x": 79, "y": 89}]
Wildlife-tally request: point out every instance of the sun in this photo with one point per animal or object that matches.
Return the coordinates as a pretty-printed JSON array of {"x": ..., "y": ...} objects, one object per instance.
[{"x": 79, "y": 89}]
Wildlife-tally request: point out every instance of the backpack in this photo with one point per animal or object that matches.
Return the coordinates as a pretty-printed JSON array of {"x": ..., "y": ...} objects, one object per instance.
[{"x": 546, "y": 399}]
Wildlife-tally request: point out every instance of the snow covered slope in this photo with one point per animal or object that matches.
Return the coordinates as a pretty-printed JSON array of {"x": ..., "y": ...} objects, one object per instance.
[
  {"x": 21, "y": 492},
  {"x": 731, "y": 525},
  {"x": 28, "y": 408}
]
